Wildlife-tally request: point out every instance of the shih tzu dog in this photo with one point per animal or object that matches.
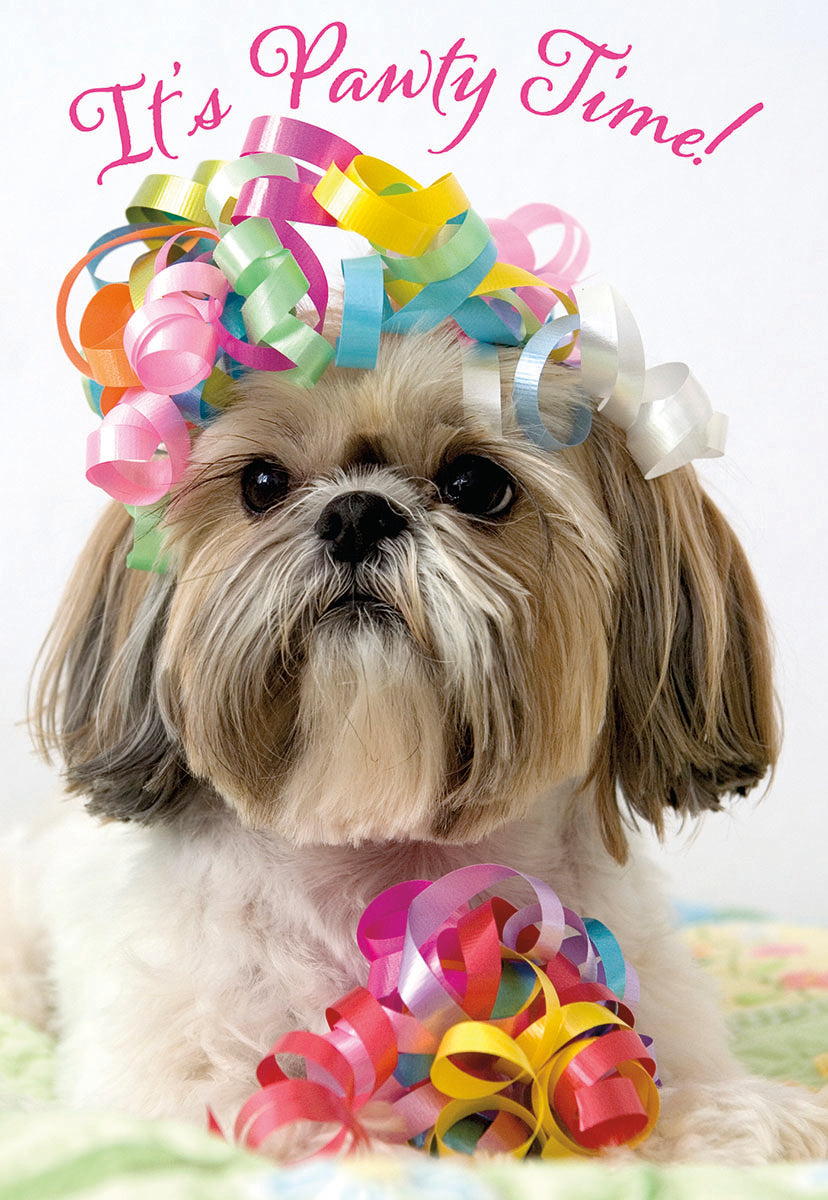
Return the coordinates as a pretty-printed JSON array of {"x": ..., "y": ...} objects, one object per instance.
[{"x": 389, "y": 642}]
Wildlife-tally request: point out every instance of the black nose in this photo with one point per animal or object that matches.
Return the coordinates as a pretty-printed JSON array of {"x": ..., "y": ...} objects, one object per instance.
[{"x": 353, "y": 523}]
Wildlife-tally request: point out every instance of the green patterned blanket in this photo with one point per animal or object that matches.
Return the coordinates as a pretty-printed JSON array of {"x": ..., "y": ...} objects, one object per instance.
[{"x": 774, "y": 983}]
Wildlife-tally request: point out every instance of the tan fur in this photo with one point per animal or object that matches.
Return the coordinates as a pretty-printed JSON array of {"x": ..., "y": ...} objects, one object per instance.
[
  {"x": 94, "y": 619},
  {"x": 691, "y": 713},
  {"x": 607, "y": 629}
]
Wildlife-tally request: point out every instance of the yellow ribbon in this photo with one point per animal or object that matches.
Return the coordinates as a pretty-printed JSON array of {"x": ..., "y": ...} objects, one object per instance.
[
  {"x": 537, "y": 1057},
  {"x": 404, "y": 223}
]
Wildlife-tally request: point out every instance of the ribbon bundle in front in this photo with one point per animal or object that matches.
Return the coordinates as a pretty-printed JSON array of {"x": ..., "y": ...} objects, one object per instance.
[{"x": 485, "y": 1028}]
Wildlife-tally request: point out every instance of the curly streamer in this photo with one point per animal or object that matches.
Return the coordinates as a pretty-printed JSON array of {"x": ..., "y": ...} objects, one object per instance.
[
  {"x": 486, "y": 1028},
  {"x": 221, "y": 295}
]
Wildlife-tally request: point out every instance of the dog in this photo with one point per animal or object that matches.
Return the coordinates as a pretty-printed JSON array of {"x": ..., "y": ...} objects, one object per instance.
[{"x": 389, "y": 642}]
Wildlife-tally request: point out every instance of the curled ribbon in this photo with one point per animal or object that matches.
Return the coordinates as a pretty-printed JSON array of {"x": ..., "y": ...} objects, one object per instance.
[
  {"x": 273, "y": 283},
  {"x": 668, "y": 418},
  {"x": 222, "y": 292},
  {"x": 438, "y": 258},
  {"x": 489, "y": 1028},
  {"x": 122, "y": 452},
  {"x": 170, "y": 341}
]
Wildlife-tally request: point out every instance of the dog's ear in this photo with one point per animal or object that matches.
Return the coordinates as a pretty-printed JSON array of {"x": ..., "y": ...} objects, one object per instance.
[
  {"x": 691, "y": 713},
  {"x": 94, "y": 702}
]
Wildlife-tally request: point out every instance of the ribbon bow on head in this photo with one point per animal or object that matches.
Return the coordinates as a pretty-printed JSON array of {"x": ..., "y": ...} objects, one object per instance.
[{"x": 218, "y": 291}]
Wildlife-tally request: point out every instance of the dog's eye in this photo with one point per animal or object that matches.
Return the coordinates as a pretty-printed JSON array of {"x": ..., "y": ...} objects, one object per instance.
[
  {"x": 476, "y": 485},
  {"x": 263, "y": 484}
]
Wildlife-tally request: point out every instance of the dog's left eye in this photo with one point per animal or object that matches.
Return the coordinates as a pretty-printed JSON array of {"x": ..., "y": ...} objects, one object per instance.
[
  {"x": 477, "y": 486},
  {"x": 263, "y": 484}
]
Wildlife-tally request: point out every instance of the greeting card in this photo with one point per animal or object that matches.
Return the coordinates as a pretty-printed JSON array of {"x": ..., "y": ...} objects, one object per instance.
[{"x": 682, "y": 139}]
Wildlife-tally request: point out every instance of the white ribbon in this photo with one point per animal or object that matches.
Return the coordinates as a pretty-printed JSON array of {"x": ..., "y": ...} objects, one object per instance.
[
  {"x": 665, "y": 411},
  {"x": 612, "y": 354},
  {"x": 481, "y": 384},
  {"x": 223, "y": 189},
  {"x": 675, "y": 423}
]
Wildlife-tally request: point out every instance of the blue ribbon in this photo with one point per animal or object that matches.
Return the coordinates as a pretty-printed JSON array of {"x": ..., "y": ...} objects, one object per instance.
[
  {"x": 527, "y": 381},
  {"x": 364, "y": 308}
]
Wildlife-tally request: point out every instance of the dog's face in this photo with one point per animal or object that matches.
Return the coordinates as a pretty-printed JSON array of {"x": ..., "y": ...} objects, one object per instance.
[
  {"x": 384, "y": 616},
  {"x": 385, "y": 621}
]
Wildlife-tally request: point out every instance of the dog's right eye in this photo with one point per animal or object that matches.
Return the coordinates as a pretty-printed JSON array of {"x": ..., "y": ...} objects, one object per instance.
[{"x": 263, "y": 484}]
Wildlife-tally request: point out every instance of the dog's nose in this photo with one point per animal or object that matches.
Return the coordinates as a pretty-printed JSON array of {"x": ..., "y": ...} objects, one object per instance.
[{"x": 353, "y": 523}]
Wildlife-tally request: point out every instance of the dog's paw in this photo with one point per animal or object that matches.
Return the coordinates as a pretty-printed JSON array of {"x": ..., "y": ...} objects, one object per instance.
[
  {"x": 384, "y": 1134},
  {"x": 745, "y": 1122}
]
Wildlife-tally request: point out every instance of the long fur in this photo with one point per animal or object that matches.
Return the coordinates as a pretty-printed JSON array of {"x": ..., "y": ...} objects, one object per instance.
[{"x": 272, "y": 734}]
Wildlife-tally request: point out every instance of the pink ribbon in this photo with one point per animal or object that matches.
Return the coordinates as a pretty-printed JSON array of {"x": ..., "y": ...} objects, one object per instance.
[
  {"x": 171, "y": 340},
  {"x": 284, "y": 202},
  {"x": 436, "y": 963},
  {"x": 120, "y": 452},
  {"x": 562, "y": 271}
]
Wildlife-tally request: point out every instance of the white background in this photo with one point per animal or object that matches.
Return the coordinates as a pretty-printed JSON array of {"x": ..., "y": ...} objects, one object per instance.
[{"x": 722, "y": 263}]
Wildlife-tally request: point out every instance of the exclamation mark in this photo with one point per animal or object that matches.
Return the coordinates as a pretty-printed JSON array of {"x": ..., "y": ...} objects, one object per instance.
[{"x": 731, "y": 128}]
